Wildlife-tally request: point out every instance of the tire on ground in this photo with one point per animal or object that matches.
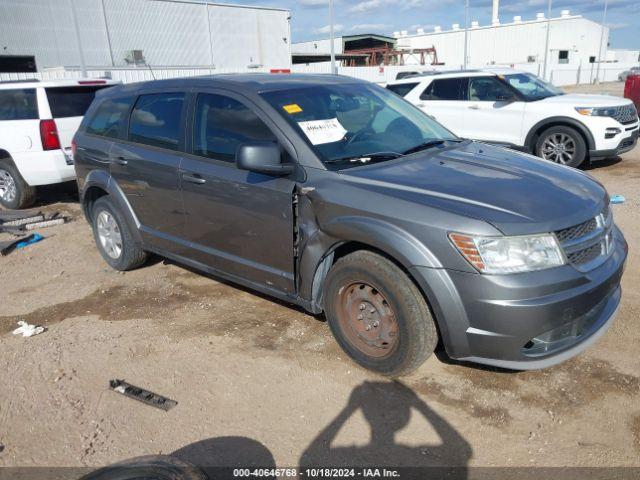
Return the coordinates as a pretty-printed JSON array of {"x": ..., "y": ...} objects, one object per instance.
[
  {"x": 132, "y": 255},
  {"x": 417, "y": 335},
  {"x": 25, "y": 195},
  {"x": 580, "y": 145}
]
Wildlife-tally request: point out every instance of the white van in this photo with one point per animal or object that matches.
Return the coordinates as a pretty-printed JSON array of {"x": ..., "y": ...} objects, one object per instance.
[{"x": 37, "y": 123}]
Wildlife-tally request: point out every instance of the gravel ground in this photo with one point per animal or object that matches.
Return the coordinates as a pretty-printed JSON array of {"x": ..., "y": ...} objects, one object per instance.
[{"x": 253, "y": 374}]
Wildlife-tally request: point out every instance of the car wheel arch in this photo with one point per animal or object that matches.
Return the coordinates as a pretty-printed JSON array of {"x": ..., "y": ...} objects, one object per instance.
[{"x": 541, "y": 126}]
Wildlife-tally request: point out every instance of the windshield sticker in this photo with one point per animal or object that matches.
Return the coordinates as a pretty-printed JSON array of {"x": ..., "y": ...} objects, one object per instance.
[
  {"x": 323, "y": 131},
  {"x": 292, "y": 108}
]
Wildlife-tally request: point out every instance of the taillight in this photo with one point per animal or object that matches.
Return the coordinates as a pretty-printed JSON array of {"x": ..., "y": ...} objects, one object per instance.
[
  {"x": 74, "y": 147},
  {"x": 49, "y": 135}
]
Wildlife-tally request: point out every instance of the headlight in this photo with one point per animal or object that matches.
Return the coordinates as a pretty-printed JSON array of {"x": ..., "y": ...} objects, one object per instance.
[
  {"x": 597, "y": 112},
  {"x": 524, "y": 253}
]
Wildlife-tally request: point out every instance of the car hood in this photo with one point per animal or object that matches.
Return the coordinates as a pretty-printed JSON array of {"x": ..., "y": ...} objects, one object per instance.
[
  {"x": 516, "y": 193},
  {"x": 580, "y": 100}
]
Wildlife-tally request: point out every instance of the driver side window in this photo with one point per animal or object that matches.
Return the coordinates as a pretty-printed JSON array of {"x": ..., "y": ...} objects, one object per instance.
[{"x": 486, "y": 89}]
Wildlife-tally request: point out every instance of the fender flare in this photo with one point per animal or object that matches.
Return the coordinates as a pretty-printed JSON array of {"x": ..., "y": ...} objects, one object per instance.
[
  {"x": 103, "y": 180},
  {"x": 317, "y": 254},
  {"x": 571, "y": 122}
]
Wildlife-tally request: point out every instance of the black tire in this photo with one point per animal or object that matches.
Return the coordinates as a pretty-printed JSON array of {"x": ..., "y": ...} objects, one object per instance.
[
  {"x": 570, "y": 138},
  {"x": 131, "y": 255},
  {"x": 23, "y": 195},
  {"x": 415, "y": 336},
  {"x": 157, "y": 467}
]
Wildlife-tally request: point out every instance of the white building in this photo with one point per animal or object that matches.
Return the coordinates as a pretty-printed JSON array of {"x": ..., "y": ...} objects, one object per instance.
[
  {"x": 573, "y": 40},
  {"x": 623, "y": 55},
  {"x": 159, "y": 33}
]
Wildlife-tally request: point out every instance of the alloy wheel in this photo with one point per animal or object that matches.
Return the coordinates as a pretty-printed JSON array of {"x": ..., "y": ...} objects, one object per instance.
[
  {"x": 109, "y": 234},
  {"x": 559, "y": 148},
  {"x": 8, "y": 190}
]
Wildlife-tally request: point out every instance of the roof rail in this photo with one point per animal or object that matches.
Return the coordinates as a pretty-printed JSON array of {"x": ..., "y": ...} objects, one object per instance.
[{"x": 26, "y": 80}]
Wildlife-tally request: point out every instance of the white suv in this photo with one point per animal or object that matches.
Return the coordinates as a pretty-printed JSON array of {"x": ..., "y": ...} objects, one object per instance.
[
  {"x": 37, "y": 123},
  {"x": 519, "y": 110}
]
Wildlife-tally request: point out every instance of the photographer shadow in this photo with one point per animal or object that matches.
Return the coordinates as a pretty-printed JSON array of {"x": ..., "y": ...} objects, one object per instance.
[{"x": 387, "y": 409}]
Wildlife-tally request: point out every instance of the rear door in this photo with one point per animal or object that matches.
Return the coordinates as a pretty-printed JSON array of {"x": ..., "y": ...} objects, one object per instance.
[
  {"x": 442, "y": 99},
  {"x": 19, "y": 120},
  {"x": 67, "y": 106},
  {"x": 238, "y": 222},
  {"x": 145, "y": 166}
]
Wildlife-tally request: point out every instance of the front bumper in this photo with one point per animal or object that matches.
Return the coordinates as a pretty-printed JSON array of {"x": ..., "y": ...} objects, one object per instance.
[
  {"x": 622, "y": 143},
  {"x": 525, "y": 321}
]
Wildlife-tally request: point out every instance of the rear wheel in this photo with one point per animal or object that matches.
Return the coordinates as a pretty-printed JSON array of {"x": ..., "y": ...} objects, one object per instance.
[
  {"x": 113, "y": 237},
  {"x": 563, "y": 145},
  {"x": 15, "y": 193},
  {"x": 377, "y": 314}
]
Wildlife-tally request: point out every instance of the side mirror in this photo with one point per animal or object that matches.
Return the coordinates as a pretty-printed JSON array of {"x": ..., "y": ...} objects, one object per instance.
[{"x": 262, "y": 157}]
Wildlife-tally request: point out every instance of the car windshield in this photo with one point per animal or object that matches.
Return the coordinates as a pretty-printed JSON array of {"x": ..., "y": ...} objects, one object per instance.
[
  {"x": 532, "y": 87},
  {"x": 351, "y": 124}
]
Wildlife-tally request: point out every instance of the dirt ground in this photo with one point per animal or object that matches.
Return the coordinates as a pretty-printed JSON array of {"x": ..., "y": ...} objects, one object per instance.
[{"x": 254, "y": 375}]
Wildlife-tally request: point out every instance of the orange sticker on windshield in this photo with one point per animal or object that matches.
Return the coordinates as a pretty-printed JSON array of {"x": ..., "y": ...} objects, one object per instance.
[{"x": 292, "y": 108}]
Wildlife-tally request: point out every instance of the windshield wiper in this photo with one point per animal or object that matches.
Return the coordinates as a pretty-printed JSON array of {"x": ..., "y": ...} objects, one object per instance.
[
  {"x": 429, "y": 144},
  {"x": 369, "y": 157}
]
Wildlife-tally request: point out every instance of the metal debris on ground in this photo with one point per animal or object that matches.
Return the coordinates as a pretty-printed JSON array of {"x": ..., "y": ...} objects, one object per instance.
[
  {"x": 142, "y": 395},
  {"x": 27, "y": 330},
  {"x": 617, "y": 199},
  {"x": 19, "y": 221}
]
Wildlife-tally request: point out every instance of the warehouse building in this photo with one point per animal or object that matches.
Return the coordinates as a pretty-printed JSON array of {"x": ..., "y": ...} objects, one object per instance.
[
  {"x": 573, "y": 40},
  {"x": 158, "y": 33}
]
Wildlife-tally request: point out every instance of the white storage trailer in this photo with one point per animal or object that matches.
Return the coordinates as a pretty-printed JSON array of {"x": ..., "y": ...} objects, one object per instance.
[{"x": 160, "y": 33}]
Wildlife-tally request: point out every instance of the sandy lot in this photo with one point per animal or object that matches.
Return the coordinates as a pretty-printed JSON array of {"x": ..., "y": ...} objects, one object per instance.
[{"x": 242, "y": 365}]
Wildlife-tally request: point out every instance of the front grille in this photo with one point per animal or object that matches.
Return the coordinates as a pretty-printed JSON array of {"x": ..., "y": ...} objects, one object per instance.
[
  {"x": 588, "y": 244},
  {"x": 578, "y": 231},
  {"x": 626, "y": 114}
]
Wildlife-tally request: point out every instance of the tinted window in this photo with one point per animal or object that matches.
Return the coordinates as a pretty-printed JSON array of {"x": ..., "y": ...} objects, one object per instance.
[
  {"x": 70, "y": 101},
  {"x": 18, "y": 104},
  {"x": 155, "y": 120},
  {"x": 444, "y": 89},
  {"x": 109, "y": 117},
  {"x": 483, "y": 89},
  {"x": 221, "y": 124},
  {"x": 403, "y": 88}
]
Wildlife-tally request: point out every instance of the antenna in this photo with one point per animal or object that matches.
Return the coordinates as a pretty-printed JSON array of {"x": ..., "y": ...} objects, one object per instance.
[{"x": 150, "y": 69}]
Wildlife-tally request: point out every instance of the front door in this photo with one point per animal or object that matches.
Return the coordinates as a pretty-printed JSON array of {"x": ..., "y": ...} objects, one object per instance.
[
  {"x": 146, "y": 165},
  {"x": 236, "y": 221},
  {"x": 492, "y": 112}
]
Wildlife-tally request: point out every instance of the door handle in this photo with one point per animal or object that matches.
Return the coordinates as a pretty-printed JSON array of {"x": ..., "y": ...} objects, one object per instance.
[
  {"x": 193, "y": 179},
  {"x": 119, "y": 161},
  {"x": 474, "y": 107}
]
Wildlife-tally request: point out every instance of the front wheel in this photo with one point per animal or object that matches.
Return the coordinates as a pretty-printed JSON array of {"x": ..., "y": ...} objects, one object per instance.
[
  {"x": 378, "y": 315},
  {"x": 562, "y": 145}
]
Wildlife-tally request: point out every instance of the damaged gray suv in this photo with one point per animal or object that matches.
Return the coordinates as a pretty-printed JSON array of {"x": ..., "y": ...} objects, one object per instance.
[{"x": 339, "y": 196}]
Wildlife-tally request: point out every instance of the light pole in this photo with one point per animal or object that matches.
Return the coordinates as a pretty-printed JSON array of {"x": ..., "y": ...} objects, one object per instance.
[
  {"x": 546, "y": 43},
  {"x": 604, "y": 25},
  {"x": 333, "y": 52},
  {"x": 466, "y": 32},
  {"x": 83, "y": 66}
]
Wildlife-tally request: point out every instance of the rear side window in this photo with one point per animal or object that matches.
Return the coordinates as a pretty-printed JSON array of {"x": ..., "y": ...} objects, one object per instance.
[
  {"x": 155, "y": 120},
  {"x": 109, "y": 116},
  {"x": 444, "y": 89},
  {"x": 221, "y": 124},
  {"x": 402, "y": 89},
  {"x": 19, "y": 104},
  {"x": 70, "y": 101}
]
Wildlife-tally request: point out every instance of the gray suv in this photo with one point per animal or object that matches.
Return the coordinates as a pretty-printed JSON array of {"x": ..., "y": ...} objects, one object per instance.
[{"x": 339, "y": 196}]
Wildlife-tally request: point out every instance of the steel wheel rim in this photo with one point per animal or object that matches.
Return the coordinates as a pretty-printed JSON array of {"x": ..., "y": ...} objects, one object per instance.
[
  {"x": 367, "y": 320},
  {"x": 109, "y": 234},
  {"x": 559, "y": 148},
  {"x": 7, "y": 186}
]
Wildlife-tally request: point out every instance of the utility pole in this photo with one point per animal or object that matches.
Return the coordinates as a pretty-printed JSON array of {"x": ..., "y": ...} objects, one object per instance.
[
  {"x": 334, "y": 70},
  {"x": 546, "y": 43},
  {"x": 604, "y": 25},
  {"x": 466, "y": 32},
  {"x": 83, "y": 66}
]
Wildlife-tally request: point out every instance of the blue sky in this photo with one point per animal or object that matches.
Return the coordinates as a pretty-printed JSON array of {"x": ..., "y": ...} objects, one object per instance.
[{"x": 310, "y": 17}]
